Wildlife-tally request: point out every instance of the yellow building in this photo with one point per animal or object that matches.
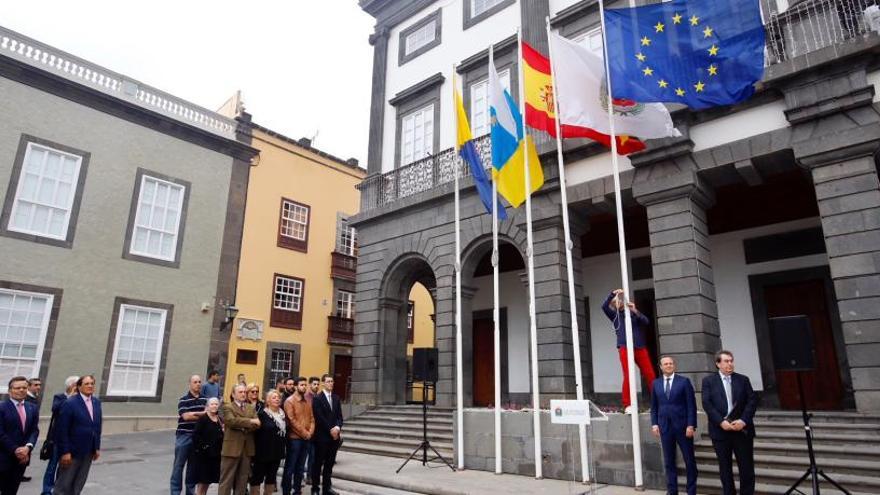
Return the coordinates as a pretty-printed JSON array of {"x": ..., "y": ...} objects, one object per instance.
[
  {"x": 296, "y": 285},
  {"x": 420, "y": 323}
]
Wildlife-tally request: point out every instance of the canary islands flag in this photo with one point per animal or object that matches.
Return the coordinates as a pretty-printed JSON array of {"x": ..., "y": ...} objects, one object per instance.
[
  {"x": 469, "y": 154},
  {"x": 508, "y": 145},
  {"x": 697, "y": 52}
]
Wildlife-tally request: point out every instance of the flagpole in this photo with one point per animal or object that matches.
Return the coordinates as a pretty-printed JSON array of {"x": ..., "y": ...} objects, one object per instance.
[
  {"x": 459, "y": 388},
  {"x": 572, "y": 306},
  {"x": 496, "y": 303},
  {"x": 536, "y": 395},
  {"x": 624, "y": 269}
]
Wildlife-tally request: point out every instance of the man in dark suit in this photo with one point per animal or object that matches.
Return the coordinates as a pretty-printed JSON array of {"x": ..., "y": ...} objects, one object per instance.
[
  {"x": 18, "y": 434},
  {"x": 327, "y": 409},
  {"x": 58, "y": 400},
  {"x": 674, "y": 420},
  {"x": 730, "y": 403},
  {"x": 78, "y": 437}
]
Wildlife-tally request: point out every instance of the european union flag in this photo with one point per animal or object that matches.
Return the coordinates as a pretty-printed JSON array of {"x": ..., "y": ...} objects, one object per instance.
[{"x": 700, "y": 53}]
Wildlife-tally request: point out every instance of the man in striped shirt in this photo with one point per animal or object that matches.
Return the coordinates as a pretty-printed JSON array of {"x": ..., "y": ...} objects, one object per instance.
[{"x": 190, "y": 408}]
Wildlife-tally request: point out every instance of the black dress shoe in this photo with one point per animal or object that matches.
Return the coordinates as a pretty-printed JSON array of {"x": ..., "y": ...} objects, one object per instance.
[
  {"x": 25, "y": 478},
  {"x": 330, "y": 491}
]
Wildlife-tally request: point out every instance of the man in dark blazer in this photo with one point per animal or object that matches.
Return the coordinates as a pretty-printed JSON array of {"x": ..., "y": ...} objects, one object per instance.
[
  {"x": 674, "y": 421},
  {"x": 327, "y": 409},
  {"x": 78, "y": 437},
  {"x": 730, "y": 403},
  {"x": 18, "y": 434}
]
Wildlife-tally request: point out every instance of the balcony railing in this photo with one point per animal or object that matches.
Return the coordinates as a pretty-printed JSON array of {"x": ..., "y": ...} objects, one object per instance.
[
  {"x": 70, "y": 67},
  {"x": 343, "y": 265},
  {"x": 805, "y": 27},
  {"x": 340, "y": 330}
]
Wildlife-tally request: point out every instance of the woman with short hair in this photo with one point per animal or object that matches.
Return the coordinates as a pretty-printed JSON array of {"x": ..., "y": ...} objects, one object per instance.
[
  {"x": 271, "y": 440},
  {"x": 207, "y": 445}
]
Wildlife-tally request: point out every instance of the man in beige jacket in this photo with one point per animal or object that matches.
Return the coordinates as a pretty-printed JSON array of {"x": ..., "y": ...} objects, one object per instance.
[
  {"x": 240, "y": 421},
  {"x": 300, "y": 427}
]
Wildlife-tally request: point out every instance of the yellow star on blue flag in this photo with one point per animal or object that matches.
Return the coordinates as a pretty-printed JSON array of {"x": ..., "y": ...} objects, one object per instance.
[{"x": 715, "y": 48}]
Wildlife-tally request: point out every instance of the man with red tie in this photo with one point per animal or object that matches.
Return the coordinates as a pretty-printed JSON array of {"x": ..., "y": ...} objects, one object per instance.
[
  {"x": 78, "y": 438},
  {"x": 18, "y": 434}
]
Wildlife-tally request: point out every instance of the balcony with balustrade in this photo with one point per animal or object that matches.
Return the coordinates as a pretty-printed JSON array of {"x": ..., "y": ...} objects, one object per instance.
[
  {"x": 343, "y": 266},
  {"x": 340, "y": 330},
  {"x": 805, "y": 35}
]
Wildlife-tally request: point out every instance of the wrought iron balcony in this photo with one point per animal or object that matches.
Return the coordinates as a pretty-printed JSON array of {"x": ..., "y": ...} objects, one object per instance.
[
  {"x": 340, "y": 330},
  {"x": 343, "y": 266}
]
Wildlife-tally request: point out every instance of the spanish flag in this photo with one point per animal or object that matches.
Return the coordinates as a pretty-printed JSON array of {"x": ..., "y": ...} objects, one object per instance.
[{"x": 540, "y": 112}]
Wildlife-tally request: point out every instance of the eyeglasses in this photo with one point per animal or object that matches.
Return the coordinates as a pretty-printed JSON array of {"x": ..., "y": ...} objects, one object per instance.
[{"x": 253, "y": 391}]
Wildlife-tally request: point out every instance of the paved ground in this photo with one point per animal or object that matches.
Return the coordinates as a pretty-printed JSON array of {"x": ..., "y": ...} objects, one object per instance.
[{"x": 139, "y": 463}]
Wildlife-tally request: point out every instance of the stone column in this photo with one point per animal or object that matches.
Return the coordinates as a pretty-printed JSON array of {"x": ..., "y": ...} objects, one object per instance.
[
  {"x": 848, "y": 192},
  {"x": 444, "y": 336},
  {"x": 379, "y": 40},
  {"x": 684, "y": 289}
]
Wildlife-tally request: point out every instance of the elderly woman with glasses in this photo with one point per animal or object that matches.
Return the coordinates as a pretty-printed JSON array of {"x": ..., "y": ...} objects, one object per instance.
[
  {"x": 207, "y": 444},
  {"x": 253, "y": 397},
  {"x": 270, "y": 440}
]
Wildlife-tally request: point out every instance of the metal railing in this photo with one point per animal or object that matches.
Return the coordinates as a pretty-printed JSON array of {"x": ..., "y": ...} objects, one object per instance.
[
  {"x": 73, "y": 68},
  {"x": 805, "y": 27}
]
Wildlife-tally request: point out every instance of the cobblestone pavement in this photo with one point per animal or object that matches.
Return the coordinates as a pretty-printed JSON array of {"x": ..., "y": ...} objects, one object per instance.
[{"x": 140, "y": 463}]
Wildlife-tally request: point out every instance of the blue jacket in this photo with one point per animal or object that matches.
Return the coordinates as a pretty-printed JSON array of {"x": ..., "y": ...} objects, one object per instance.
[
  {"x": 745, "y": 402},
  {"x": 76, "y": 433},
  {"x": 11, "y": 434},
  {"x": 618, "y": 319},
  {"x": 677, "y": 412}
]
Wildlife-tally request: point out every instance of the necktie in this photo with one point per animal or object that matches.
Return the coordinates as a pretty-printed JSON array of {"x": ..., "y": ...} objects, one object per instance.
[
  {"x": 22, "y": 416},
  {"x": 89, "y": 407},
  {"x": 668, "y": 386},
  {"x": 728, "y": 391}
]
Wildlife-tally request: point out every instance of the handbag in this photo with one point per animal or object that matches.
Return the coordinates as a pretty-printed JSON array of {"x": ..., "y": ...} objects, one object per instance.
[{"x": 49, "y": 444}]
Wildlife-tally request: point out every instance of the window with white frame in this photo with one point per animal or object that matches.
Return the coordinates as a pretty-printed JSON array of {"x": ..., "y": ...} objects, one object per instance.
[
  {"x": 294, "y": 220},
  {"x": 45, "y": 193},
  {"x": 480, "y": 121},
  {"x": 346, "y": 241},
  {"x": 480, "y": 6},
  {"x": 417, "y": 135},
  {"x": 24, "y": 322},
  {"x": 137, "y": 352},
  {"x": 422, "y": 36},
  {"x": 288, "y": 293},
  {"x": 280, "y": 365},
  {"x": 157, "y": 221},
  {"x": 591, "y": 40},
  {"x": 345, "y": 304}
]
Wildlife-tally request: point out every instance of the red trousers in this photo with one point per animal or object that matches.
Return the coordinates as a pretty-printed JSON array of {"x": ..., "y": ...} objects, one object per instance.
[{"x": 643, "y": 361}]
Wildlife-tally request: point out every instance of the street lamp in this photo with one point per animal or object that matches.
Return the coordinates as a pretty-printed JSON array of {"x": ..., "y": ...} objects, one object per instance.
[{"x": 231, "y": 312}]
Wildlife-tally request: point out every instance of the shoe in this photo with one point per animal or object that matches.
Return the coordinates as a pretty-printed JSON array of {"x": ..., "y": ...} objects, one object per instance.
[
  {"x": 628, "y": 410},
  {"x": 25, "y": 478},
  {"x": 308, "y": 480},
  {"x": 330, "y": 491}
]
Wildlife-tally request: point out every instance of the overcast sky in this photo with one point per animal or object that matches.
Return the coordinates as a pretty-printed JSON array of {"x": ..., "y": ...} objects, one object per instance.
[{"x": 303, "y": 66}]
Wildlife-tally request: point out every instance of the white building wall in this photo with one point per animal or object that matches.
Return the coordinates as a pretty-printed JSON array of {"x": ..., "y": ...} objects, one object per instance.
[
  {"x": 557, "y": 6},
  {"x": 735, "y": 316},
  {"x": 513, "y": 297},
  {"x": 455, "y": 46}
]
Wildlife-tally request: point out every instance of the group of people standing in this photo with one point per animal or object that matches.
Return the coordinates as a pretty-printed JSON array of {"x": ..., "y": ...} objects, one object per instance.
[
  {"x": 241, "y": 442},
  {"x": 72, "y": 443},
  {"x": 728, "y": 400}
]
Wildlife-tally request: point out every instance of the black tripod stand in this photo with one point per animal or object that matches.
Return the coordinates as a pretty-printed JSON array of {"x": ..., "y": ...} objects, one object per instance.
[
  {"x": 425, "y": 444},
  {"x": 813, "y": 471}
]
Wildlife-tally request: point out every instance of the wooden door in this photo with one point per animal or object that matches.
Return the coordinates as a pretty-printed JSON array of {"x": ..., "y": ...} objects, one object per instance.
[
  {"x": 484, "y": 363},
  {"x": 341, "y": 374},
  {"x": 823, "y": 388}
]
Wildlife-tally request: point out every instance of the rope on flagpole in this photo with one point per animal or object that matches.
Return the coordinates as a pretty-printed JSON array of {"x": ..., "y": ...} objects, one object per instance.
[{"x": 624, "y": 269}]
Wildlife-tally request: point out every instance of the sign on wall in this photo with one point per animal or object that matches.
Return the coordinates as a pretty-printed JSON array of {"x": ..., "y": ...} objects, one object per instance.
[{"x": 250, "y": 329}]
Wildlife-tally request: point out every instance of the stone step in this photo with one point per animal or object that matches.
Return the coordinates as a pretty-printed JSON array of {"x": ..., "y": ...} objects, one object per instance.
[
  {"x": 388, "y": 450},
  {"x": 712, "y": 486},
  {"x": 866, "y": 452},
  {"x": 347, "y": 487},
  {"x": 831, "y": 466},
  {"x": 785, "y": 477},
  {"x": 413, "y": 418},
  {"x": 413, "y": 407},
  {"x": 819, "y": 417},
  {"x": 818, "y": 436},
  {"x": 399, "y": 425},
  {"x": 413, "y": 410},
  {"x": 401, "y": 442},
  {"x": 398, "y": 433}
]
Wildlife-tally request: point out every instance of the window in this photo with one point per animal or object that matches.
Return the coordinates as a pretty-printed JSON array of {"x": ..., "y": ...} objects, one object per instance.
[
  {"x": 137, "y": 351},
  {"x": 592, "y": 40},
  {"x": 481, "y": 6},
  {"x": 410, "y": 320},
  {"x": 245, "y": 356},
  {"x": 419, "y": 37},
  {"x": 157, "y": 221},
  {"x": 45, "y": 193},
  {"x": 287, "y": 302},
  {"x": 24, "y": 321},
  {"x": 280, "y": 366},
  {"x": 480, "y": 122},
  {"x": 346, "y": 238},
  {"x": 293, "y": 230},
  {"x": 417, "y": 135},
  {"x": 345, "y": 304}
]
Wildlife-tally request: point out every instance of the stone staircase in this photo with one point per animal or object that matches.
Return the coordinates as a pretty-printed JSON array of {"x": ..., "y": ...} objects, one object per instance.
[
  {"x": 845, "y": 443},
  {"x": 395, "y": 431}
]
